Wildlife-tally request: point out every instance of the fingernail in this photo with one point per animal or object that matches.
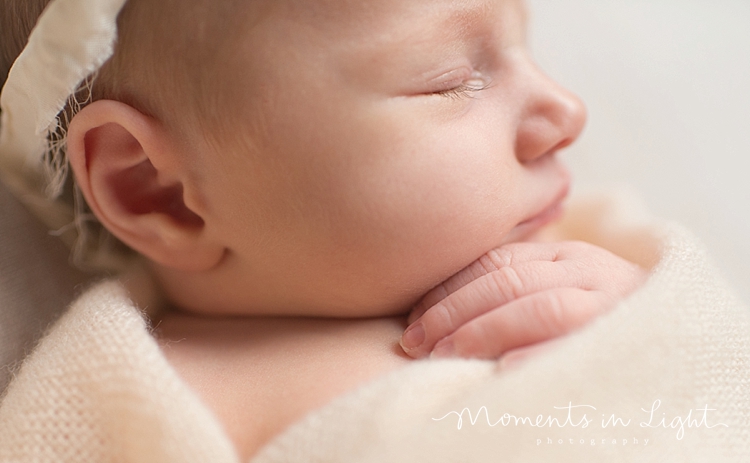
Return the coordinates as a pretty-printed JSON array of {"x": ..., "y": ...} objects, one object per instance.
[
  {"x": 413, "y": 337},
  {"x": 443, "y": 349}
]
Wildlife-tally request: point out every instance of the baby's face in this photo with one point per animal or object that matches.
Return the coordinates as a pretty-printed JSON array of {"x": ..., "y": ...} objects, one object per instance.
[{"x": 385, "y": 146}]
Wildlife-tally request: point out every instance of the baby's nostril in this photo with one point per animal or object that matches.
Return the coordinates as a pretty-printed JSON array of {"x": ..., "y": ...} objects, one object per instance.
[{"x": 563, "y": 144}]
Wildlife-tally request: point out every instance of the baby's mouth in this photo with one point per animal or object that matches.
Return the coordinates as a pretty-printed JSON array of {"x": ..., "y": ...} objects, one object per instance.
[
  {"x": 552, "y": 212},
  {"x": 548, "y": 215}
]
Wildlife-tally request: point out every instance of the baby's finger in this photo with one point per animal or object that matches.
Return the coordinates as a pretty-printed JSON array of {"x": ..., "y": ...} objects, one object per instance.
[
  {"x": 507, "y": 255},
  {"x": 525, "y": 321},
  {"x": 484, "y": 294},
  {"x": 489, "y": 262}
]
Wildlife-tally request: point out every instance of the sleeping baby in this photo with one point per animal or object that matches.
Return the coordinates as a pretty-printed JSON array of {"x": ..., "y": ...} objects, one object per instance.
[{"x": 322, "y": 191}]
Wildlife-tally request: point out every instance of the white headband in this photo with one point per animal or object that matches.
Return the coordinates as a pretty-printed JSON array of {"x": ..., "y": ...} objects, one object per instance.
[{"x": 71, "y": 40}]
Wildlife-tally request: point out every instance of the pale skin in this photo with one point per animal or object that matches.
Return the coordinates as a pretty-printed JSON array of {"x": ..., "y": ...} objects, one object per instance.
[{"x": 401, "y": 157}]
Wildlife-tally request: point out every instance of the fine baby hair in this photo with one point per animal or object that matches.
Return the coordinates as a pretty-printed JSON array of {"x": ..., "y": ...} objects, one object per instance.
[
  {"x": 80, "y": 52},
  {"x": 48, "y": 83}
]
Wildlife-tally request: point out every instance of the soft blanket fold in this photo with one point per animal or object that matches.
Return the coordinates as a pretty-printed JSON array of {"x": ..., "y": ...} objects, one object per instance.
[
  {"x": 663, "y": 377},
  {"x": 97, "y": 389}
]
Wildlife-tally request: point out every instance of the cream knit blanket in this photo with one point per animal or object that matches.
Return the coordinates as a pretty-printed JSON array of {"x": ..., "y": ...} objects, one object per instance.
[{"x": 663, "y": 377}]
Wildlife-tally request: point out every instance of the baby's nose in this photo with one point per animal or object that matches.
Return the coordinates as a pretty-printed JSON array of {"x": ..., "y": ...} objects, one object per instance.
[{"x": 552, "y": 118}]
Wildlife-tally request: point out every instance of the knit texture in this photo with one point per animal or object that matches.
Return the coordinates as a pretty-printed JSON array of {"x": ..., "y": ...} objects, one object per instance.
[{"x": 97, "y": 389}]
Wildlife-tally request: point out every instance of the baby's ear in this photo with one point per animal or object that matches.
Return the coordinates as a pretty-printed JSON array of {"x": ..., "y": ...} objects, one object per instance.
[{"x": 132, "y": 174}]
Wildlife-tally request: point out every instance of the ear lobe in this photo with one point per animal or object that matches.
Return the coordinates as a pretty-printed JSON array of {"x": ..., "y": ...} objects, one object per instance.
[{"x": 127, "y": 167}]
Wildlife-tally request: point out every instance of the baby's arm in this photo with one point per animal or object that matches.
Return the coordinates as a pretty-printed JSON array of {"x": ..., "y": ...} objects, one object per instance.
[{"x": 518, "y": 295}]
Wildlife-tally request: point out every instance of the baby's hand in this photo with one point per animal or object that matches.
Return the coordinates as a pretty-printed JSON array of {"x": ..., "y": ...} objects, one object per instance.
[{"x": 518, "y": 295}]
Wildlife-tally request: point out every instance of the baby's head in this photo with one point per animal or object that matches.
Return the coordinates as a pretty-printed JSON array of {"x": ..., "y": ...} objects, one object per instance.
[{"x": 320, "y": 157}]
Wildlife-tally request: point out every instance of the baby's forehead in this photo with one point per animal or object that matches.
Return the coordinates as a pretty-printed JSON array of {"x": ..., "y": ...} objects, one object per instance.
[
  {"x": 407, "y": 36},
  {"x": 247, "y": 53},
  {"x": 386, "y": 17}
]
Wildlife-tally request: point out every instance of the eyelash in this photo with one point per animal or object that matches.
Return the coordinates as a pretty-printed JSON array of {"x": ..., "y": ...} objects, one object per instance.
[{"x": 465, "y": 90}]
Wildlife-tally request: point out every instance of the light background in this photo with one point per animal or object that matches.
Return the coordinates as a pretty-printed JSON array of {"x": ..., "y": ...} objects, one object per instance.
[{"x": 667, "y": 86}]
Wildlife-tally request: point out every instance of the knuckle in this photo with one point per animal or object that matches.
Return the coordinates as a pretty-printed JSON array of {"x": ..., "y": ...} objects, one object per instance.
[
  {"x": 507, "y": 283},
  {"x": 556, "y": 314},
  {"x": 458, "y": 280},
  {"x": 465, "y": 276},
  {"x": 484, "y": 265},
  {"x": 500, "y": 257},
  {"x": 551, "y": 313},
  {"x": 479, "y": 340},
  {"x": 442, "y": 319}
]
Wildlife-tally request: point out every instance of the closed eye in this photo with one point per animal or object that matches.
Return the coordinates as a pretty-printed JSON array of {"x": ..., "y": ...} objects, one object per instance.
[{"x": 466, "y": 89}]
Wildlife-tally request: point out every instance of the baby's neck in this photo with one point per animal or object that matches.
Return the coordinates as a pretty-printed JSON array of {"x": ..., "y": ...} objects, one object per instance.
[{"x": 261, "y": 374}]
